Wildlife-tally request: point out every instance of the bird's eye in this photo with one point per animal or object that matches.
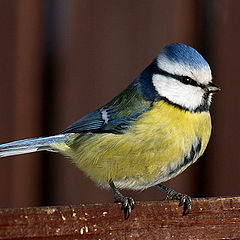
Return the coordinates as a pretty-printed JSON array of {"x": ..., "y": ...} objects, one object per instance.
[{"x": 186, "y": 80}]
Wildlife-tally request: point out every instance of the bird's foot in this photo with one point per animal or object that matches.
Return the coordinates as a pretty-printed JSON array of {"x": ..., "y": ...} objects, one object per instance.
[
  {"x": 184, "y": 199},
  {"x": 127, "y": 205},
  {"x": 127, "y": 202}
]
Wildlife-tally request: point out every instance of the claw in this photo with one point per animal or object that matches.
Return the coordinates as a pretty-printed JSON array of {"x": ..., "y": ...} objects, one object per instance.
[
  {"x": 127, "y": 206},
  {"x": 187, "y": 205},
  {"x": 127, "y": 202},
  {"x": 184, "y": 199}
]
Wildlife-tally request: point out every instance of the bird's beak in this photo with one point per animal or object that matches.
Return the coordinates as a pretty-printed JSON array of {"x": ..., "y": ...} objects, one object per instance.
[{"x": 212, "y": 88}]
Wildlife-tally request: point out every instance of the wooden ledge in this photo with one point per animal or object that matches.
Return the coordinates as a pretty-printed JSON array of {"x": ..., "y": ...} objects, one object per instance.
[{"x": 210, "y": 218}]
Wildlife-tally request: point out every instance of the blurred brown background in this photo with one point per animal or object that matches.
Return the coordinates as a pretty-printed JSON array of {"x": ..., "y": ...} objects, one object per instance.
[{"x": 61, "y": 59}]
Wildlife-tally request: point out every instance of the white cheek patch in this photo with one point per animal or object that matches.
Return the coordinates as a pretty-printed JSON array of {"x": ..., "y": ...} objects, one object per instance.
[
  {"x": 177, "y": 92},
  {"x": 202, "y": 75}
]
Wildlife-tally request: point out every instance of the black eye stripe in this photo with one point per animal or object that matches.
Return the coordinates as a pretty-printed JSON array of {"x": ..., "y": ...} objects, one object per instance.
[
  {"x": 187, "y": 80},
  {"x": 184, "y": 79}
]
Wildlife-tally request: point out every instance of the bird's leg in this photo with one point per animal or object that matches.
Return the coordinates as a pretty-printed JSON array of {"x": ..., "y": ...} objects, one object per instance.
[
  {"x": 127, "y": 202},
  {"x": 184, "y": 199}
]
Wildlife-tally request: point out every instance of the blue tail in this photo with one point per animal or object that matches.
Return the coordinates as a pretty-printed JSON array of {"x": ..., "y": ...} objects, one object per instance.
[{"x": 31, "y": 145}]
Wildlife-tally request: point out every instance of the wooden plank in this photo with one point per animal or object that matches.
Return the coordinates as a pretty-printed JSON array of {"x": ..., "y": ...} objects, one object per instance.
[{"x": 211, "y": 218}]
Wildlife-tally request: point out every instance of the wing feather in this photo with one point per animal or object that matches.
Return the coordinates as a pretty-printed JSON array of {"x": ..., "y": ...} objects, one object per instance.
[{"x": 114, "y": 117}]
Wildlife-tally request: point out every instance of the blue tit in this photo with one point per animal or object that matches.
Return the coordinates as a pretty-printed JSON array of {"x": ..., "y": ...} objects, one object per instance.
[{"x": 151, "y": 132}]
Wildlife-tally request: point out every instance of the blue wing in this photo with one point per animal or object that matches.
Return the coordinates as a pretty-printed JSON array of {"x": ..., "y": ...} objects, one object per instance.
[
  {"x": 102, "y": 120},
  {"x": 117, "y": 115}
]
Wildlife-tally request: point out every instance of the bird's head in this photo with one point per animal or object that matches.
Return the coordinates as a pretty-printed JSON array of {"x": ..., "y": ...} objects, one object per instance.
[{"x": 181, "y": 76}]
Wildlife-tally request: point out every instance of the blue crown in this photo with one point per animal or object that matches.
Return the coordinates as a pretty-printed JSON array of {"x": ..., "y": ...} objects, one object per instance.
[{"x": 179, "y": 52}]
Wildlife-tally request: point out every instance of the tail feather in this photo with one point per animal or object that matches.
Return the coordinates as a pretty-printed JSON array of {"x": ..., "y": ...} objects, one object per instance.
[{"x": 31, "y": 145}]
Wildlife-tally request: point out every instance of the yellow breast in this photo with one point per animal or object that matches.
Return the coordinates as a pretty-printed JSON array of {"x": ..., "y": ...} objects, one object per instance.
[{"x": 152, "y": 148}]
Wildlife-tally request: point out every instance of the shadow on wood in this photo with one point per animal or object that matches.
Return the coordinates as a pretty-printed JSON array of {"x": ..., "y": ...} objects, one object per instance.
[{"x": 210, "y": 218}]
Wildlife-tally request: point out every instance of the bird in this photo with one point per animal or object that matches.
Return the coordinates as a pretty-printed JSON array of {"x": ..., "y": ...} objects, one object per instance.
[{"x": 149, "y": 133}]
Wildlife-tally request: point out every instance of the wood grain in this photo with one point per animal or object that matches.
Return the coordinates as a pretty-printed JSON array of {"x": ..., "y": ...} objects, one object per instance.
[{"x": 212, "y": 218}]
